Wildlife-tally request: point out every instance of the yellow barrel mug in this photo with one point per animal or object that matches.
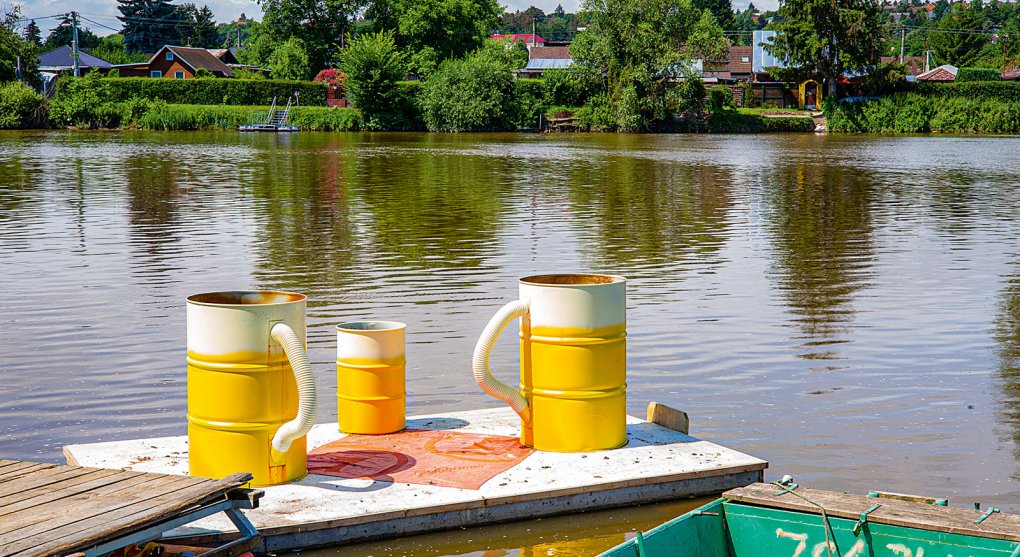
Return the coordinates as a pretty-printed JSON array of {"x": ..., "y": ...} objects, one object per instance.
[
  {"x": 573, "y": 390},
  {"x": 370, "y": 377},
  {"x": 251, "y": 392}
]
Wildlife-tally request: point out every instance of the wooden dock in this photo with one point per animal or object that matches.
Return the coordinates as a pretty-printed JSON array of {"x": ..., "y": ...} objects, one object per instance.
[
  {"x": 656, "y": 464},
  {"x": 47, "y": 509}
]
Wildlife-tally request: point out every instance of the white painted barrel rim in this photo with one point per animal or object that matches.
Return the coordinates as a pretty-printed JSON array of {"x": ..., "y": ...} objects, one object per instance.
[
  {"x": 370, "y": 326},
  {"x": 567, "y": 279},
  {"x": 246, "y": 298}
]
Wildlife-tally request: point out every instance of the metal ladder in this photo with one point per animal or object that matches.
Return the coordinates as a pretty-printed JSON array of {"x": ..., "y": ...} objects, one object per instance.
[{"x": 279, "y": 117}]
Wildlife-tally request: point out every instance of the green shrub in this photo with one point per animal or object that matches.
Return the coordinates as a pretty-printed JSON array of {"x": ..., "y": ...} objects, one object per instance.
[
  {"x": 290, "y": 61},
  {"x": 996, "y": 90},
  {"x": 531, "y": 101},
  {"x": 328, "y": 119},
  {"x": 84, "y": 102},
  {"x": 373, "y": 66},
  {"x": 473, "y": 94},
  {"x": 560, "y": 88},
  {"x": 977, "y": 74},
  {"x": 720, "y": 98},
  {"x": 200, "y": 73},
  {"x": 18, "y": 105},
  {"x": 204, "y": 91},
  {"x": 916, "y": 113},
  {"x": 597, "y": 115}
]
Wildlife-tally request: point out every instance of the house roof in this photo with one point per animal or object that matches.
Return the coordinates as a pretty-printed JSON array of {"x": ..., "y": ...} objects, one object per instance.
[
  {"x": 543, "y": 64},
  {"x": 944, "y": 72},
  {"x": 226, "y": 55},
  {"x": 195, "y": 58},
  {"x": 61, "y": 58},
  {"x": 526, "y": 37},
  {"x": 550, "y": 53},
  {"x": 915, "y": 64}
]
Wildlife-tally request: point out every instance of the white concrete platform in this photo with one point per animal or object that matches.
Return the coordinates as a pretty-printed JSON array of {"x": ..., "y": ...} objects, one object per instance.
[{"x": 656, "y": 464}]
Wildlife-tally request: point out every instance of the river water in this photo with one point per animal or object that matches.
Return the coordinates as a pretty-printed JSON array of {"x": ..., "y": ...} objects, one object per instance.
[{"x": 846, "y": 307}]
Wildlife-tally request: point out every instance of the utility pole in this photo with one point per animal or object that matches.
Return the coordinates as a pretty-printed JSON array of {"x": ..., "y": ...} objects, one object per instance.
[
  {"x": 903, "y": 39},
  {"x": 75, "y": 55}
]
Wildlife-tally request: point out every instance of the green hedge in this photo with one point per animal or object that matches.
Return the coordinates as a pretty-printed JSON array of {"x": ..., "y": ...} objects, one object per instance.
[
  {"x": 913, "y": 113},
  {"x": 978, "y": 74},
  {"x": 211, "y": 90},
  {"x": 994, "y": 90}
]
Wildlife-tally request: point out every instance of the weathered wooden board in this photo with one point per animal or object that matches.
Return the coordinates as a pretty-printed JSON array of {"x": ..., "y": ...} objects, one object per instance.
[
  {"x": 49, "y": 509},
  {"x": 891, "y": 511}
]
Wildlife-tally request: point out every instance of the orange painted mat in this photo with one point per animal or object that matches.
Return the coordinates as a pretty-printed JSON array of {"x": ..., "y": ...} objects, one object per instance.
[{"x": 431, "y": 457}]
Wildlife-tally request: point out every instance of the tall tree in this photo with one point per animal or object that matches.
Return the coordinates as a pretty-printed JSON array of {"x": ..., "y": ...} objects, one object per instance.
[
  {"x": 450, "y": 27},
  {"x": 32, "y": 33},
  {"x": 63, "y": 35},
  {"x": 958, "y": 37},
  {"x": 828, "y": 37},
  {"x": 148, "y": 24},
  {"x": 205, "y": 28},
  {"x": 722, "y": 10},
  {"x": 320, "y": 24},
  {"x": 15, "y": 51},
  {"x": 185, "y": 15}
]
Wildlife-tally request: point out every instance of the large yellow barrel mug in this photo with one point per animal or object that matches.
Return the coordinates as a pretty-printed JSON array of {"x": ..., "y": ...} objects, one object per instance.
[
  {"x": 370, "y": 376},
  {"x": 573, "y": 386},
  {"x": 251, "y": 392}
]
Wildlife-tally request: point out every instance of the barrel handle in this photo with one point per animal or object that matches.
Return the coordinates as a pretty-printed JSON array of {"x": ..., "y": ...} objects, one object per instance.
[
  {"x": 483, "y": 349},
  {"x": 305, "y": 419}
]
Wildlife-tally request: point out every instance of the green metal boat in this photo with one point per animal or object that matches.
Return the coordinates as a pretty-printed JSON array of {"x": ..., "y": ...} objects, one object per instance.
[{"x": 770, "y": 520}]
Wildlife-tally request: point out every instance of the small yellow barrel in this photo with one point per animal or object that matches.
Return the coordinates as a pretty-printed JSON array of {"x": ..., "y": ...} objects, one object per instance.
[
  {"x": 573, "y": 388},
  {"x": 370, "y": 365},
  {"x": 241, "y": 386}
]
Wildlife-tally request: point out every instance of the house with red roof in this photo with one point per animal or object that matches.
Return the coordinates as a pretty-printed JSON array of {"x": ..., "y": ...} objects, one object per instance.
[{"x": 177, "y": 62}]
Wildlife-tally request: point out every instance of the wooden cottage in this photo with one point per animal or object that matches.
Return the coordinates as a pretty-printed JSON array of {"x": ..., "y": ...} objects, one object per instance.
[{"x": 177, "y": 62}]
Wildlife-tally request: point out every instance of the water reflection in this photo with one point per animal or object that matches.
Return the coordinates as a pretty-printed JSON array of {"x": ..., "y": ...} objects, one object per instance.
[
  {"x": 1007, "y": 333},
  {"x": 820, "y": 220}
]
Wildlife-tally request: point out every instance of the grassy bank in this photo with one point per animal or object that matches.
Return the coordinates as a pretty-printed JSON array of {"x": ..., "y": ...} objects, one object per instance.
[{"x": 178, "y": 117}]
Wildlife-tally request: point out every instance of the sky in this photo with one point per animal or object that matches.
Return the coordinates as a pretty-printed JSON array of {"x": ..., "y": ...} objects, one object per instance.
[{"x": 104, "y": 12}]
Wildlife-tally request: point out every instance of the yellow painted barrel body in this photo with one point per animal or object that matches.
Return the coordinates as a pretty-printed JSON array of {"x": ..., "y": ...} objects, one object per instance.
[
  {"x": 370, "y": 367},
  {"x": 241, "y": 388},
  {"x": 574, "y": 362}
]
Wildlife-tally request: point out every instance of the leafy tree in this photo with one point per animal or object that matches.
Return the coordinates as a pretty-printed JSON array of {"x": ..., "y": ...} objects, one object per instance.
[
  {"x": 259, "y": 47},
  {"x": 373, "y": 64},
  {"x": 63, "y": 34},
  {"x": 205, "y": 29},
  {"x": 828, "y": 37},
  {"x": 111, "y": 49},
  {"x": 450, "y": 27},
  {"x": 631, "y": 53},
  {"x": 148, "y": 24},
  {"x": 707, "y": 41},
  {"x": 957, "y": 39},
  {"x": 290, "y": 61},
  {"x": 32, "y": 33},
  {"x": 722, "y": 11},
  {"x": 476, "y": 93},
  {"x": 13, "y": 46},
  {"x": 229, "y": 34},
  {"x": 321, "y": 24}
]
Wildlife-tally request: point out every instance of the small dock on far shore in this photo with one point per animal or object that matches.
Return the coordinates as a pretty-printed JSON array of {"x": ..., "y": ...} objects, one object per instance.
[
  {"x": 447, "y": 471},
  {"x": 47, "y": 509}
]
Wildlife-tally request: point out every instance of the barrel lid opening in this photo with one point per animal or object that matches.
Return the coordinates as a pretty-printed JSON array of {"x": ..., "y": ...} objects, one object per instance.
[
  {"x": 364, "y": 326},
  {"x": 246, "y": 298},
  {"x": 572, "y": 279}
]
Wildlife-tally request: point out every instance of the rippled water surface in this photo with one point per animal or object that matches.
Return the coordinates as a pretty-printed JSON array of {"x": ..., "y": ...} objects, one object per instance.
[{"x": 847, "y": 308}]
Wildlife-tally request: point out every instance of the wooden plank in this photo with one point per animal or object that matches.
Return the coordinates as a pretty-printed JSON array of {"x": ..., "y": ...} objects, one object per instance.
[
  {"x": 34, "y": 521},
  {"x": 68, "y": 488},
  {"x": 131, "y": 516},
  {"x": 40, "y": 479},
  {"x": 22, "y": 468},
  {"x": 894, "y": 512},
  {"x": 669, "y": 418}
]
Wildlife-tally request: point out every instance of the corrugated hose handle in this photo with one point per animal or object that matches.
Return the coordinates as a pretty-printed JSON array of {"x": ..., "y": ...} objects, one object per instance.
[
  {"x": 305, "y": 419},
  {"x": 483, "y": 349}
]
